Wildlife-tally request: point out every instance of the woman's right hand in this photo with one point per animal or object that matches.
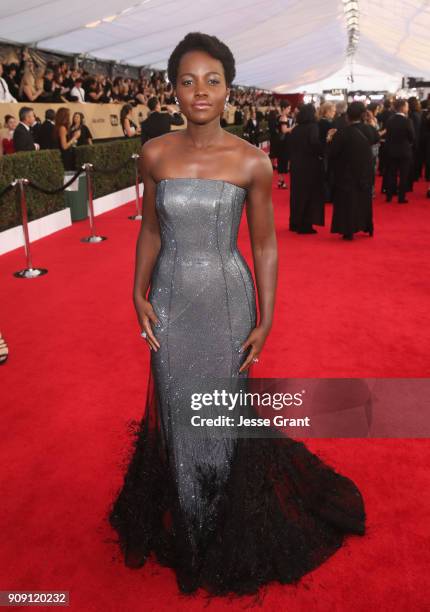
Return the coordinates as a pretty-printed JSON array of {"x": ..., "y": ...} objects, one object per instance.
[
  {"x": 146, "y": 314},
  {"x": 77, "y": 135}
]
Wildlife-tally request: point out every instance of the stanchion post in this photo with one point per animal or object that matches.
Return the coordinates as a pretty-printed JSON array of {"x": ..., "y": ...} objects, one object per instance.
[
  {"x": 93, "y": 238},
  {"x": 29, "y": 271},
  {"x": 138, "y": 215}
]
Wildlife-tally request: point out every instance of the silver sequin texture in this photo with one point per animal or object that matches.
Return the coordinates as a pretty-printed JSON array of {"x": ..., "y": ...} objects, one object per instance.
[{"x": 203, "y": 294}]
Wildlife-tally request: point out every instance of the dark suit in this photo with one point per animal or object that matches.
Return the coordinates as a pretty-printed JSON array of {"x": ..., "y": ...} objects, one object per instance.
[
  {"x": 252, "y": 131},
  {"x": 23, "y": 139},
  {"x": 399, "y": 141},
  {"x": 340, "y": 122},
  {"x": 382, "y": 120},
  {"x": 45, "y": 135},
  {"x": 155, "y": 125}
]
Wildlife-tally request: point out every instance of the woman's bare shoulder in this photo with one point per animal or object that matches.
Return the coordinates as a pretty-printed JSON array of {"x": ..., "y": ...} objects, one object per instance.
[
  {"x": 250, "y": 158},
  {"x": 155, "y": 149},
  {"x": 245, "y": 148},
  {"x": 160, "y": 141}
]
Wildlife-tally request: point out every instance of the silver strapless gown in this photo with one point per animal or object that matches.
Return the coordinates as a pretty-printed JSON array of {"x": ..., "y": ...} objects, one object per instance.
[{"x": 228, "y": 514}]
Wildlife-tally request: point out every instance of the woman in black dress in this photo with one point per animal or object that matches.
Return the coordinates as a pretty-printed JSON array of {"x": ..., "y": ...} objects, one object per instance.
[
  {"x": 65, "y": 142},
  {"x": 253, "y": 128},
  {"x": 327, "y": 112},
  {"x": 350, "y": 152},
  {"x": 129, "y": 128},
  {"x": 285, "y": 126},
  {"x": 78, "y": 123},
  {"x": 272, "y": 124},
  {"x": 307, "y": 174}
]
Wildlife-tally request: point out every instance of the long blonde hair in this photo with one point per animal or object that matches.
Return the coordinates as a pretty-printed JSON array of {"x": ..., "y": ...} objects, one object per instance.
[
  {"x": 27, "y": 80},
  {"x": 39, "y": 74}
]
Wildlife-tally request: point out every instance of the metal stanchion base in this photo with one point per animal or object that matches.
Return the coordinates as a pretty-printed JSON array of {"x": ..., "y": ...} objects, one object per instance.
[
  {"x": 93, "y": 238},
  {"x": 136, "y": 217},
  {"x": 30, "y": 272}
]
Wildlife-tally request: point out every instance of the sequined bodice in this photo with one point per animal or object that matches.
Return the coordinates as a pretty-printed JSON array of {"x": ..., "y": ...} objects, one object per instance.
[{"x": 199, "y": 219}]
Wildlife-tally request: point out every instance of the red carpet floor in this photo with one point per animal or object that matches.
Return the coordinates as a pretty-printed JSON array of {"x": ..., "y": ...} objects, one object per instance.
[{"x": 77, "y": 374}]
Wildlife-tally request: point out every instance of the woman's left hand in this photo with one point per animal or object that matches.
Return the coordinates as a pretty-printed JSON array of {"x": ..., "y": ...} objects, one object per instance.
[{"x": 255, "y": 340}]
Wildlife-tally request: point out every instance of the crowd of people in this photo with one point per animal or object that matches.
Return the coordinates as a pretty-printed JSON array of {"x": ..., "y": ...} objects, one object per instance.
[
  {"x": 29, "y": 83},
  {"x": 60, "y": 82},
  {"x": 334, "y": 153},
  {"x": 59, "y": 130}
]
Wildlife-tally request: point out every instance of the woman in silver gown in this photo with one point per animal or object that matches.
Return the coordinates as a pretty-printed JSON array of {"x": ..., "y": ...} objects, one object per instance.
[{"x": 227, "y": 513}]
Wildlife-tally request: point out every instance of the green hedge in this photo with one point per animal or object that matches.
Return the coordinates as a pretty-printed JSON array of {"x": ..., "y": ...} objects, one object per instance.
[
  {"x": 110, "y": 155},
  {"x": 113, "y": 154},
  {"x": 237, "y": 130},
  {"x": 43, "y": 167}
]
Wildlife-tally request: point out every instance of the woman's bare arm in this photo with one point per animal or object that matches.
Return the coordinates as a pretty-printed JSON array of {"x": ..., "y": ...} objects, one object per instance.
[
  {"x": 148, "y": 243},
  {"x": 62, "y": 134},
  {"x": 261, "y": 225},
  {"x": 128, "y": 129},
  {"x": 31, "y": 94}
]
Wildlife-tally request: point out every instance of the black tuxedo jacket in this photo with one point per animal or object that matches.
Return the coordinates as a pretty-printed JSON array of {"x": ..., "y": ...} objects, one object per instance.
[
  {"x": 400, "y": 136},
  {"x": 45, "y": 136},
  {"x": 252, "y": 129},
  {"x": 23, "y": 139}
]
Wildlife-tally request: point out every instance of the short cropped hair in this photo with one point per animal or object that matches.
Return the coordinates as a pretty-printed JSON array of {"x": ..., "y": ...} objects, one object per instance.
[
  {"x": 198, "y": 41},
  {"x": 24, "y": 111},
  {"x": 306, "y": 113},
  {"x": 399, "y": 103},
  {"x": 285, "y": 104},
  {"x": 356, "y": 111}
]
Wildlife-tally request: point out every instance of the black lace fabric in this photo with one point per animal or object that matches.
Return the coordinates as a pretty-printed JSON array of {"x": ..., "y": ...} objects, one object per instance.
[{"x": 281, "y": 513}]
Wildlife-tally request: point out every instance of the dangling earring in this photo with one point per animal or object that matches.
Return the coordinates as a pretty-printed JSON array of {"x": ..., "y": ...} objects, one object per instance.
[
  {"x": 176, "y": 100},
  {"x": 226, "y": 103}
]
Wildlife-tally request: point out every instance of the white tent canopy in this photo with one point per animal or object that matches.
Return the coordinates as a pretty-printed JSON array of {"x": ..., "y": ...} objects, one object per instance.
[{"x": 282, "y": 45}]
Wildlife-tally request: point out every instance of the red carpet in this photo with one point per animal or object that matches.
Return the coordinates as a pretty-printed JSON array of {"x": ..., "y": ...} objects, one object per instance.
[{"x": 77, "y": 373}]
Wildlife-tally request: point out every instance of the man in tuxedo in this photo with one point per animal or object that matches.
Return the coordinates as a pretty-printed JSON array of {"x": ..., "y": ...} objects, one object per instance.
[
  {"x": 399, "y": 141},
  {"x": 45, "y": 132},
  {"x": 23, "y": 137},
  {"x": 156, "y": 123}
]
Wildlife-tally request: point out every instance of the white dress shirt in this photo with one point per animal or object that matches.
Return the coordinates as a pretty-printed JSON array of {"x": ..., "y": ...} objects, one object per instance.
[
  {"x": 5, "y": 95},
  {"x": 79, "y": 93}
]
